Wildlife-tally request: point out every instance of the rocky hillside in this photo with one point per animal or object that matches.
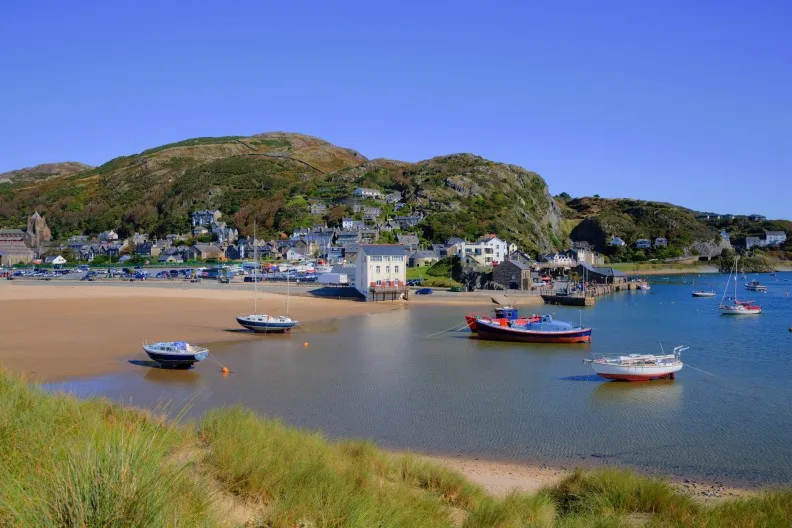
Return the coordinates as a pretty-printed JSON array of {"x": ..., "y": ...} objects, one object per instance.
[
  {"x": 598, "y": 220},
  {"x": 271, "y": 178},
  {"x": 43, "y": 172}
]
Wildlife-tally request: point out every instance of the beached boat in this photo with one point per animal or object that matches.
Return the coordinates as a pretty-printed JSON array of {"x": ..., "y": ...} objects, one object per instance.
[
  {"x": 638, "y": 367},
  {"x": 176, "y": 354},
  {"x": 502, "y": 313},
  {"x": 733, "y": 306},
  {"x": 545, "y": 330},
  {"x": 263, "y": 323},
  {"x": 702, "y": 293},
  {"x": 756, "y": 286}
]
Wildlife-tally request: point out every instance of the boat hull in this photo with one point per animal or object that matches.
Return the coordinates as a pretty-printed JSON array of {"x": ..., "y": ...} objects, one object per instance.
[
  {"x": 636, "y": 373},
  {"x": 267, "y": 327},
  {"x": 568, "y": 300},
  {"x": 182, "y": 361},
  {"x": 492, "y": 332},
  {"x": 745, "y": 311},
  {"x": 473, "y": 319},
  {"x": 700, "y": 294}
]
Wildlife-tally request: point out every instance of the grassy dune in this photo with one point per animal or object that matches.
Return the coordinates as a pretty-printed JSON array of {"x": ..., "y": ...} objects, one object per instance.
[{"x": 91, "y": 463}]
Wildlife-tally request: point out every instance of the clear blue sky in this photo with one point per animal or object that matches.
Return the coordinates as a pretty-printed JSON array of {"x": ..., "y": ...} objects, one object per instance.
[{"x": 687, "y": 102}]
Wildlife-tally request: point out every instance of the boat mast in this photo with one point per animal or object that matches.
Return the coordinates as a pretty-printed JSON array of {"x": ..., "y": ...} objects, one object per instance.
[
  {"x": 255, "y": 270},
  {"x": 287, "y": 293}
]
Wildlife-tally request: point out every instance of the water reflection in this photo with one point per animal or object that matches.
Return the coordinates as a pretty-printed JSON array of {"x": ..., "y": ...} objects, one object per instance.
[
  {"x": 183, "y": 377},
  {"x": 639, "y": 397}
]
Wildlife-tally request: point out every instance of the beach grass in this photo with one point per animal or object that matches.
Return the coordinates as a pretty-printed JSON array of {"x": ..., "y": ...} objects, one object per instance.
[{"x": 92, "y": 463}]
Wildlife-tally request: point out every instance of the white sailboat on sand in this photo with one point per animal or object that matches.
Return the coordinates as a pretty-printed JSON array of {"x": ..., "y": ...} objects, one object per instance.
[
  {"x": 263, "y": 323},
  {"x": 733, "y": 306}
]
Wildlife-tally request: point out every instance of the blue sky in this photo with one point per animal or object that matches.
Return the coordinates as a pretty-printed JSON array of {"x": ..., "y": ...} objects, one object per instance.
[{"x": 687, "y": 102}]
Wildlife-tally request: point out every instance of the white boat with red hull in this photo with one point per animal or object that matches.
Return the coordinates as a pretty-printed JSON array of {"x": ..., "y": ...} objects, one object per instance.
[
  {"x": 733, "y": 306},
  {"x": 638, "y": 367}
]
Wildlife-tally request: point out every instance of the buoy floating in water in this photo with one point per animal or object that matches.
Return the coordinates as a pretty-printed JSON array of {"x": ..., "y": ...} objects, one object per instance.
[
  {"x": 225, "y": 370},
  {"x": 305, "y": 344}
]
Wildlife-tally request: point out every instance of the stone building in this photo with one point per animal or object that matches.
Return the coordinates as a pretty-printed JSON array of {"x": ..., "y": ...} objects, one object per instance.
[{"x": 37, "y": 231}]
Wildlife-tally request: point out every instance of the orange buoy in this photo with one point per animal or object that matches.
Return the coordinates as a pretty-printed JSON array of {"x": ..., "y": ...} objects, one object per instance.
[
  {"x": 305, "y": 344},
  {"x": 225, "y": 370}
]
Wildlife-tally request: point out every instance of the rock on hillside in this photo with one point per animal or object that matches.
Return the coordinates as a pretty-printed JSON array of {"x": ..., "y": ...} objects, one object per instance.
[
  {"x": 44, "y": 171},
  {"x": 600, "y": 219}
]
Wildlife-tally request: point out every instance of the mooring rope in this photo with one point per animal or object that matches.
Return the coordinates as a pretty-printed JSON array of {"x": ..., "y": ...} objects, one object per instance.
[{"x": 452, "y": 329}]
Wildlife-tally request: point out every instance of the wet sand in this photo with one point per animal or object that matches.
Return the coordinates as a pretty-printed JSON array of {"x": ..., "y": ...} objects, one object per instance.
[{"x": 51, "y": 332}]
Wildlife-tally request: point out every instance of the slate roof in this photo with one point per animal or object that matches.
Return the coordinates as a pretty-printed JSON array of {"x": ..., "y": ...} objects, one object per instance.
[{"x": 383, "y": 249}]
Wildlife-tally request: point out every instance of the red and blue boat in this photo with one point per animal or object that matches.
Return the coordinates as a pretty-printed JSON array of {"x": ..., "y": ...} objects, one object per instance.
[
  {"x": 545, "y": 330},
  {"x": 502, "y": 313}
]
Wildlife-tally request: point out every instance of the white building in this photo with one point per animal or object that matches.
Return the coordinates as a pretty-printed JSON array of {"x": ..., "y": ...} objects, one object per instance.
[
  {"x": 618, "y": 242},
  {"x": 55, "y": 260},
  {"x": 643, "y": 243},
  {"x": 775, "y": 238},
  {"x": 753, "y": 241},
  {"x": 362, "y": 192},
  {"x": 486, "y": 251},
  {"x": 380, "y": 266}
]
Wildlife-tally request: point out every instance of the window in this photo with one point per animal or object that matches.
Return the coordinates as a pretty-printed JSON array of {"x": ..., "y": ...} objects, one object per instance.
[
  {"x": 377, "y": 269},
  {"x": 376, "y": 258},
  {"x": 396, "y": 269},
  {"x": 379, "y": 283},
  {"x": 387, "y": 270},
  {"x": 397, "y": 259}
]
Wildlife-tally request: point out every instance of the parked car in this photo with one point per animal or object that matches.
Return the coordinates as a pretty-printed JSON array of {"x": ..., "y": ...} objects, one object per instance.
[
  {"x": 424, "y": 291},
  {"x": 162, "y": 275}
]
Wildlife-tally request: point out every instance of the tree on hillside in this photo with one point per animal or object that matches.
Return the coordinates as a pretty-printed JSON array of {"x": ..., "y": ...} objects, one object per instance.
[{"x": 335, "y": 216}]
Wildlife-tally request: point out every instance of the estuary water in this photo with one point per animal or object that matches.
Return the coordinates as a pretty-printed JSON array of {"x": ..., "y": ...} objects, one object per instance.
[{"x": 727, "y": 416}]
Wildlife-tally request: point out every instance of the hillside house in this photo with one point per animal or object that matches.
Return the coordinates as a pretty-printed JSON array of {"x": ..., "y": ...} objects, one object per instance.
[
  {"x": 393, "y": 197},
  {"x": 407, "y": 222},
  {"x": 368, "y": 236},
  {"x": 486, "y": 251},
  {"x": 225, "y": 234},
  {"x": 617, "y": 242},
  {"x": 349, "y": 224},
  {"x": 660, "y": 242},
  {"x": 108, "y": 236},
  {"x": 317, "y": 208},
  {"x": 380, "y": 271},
  {"x": 409, "y": 241},
  {"x": 643, "y": 243},
  {"x": 205, "y": 218},
  {"x": 775, "y": 238},
  {"x": 725, "y": 236},
  {"x": 233, "y": 252},
  {"x": 199, "y": 230},
  {"x": 757, "y": 218},
  {"x": 335, "y": 254},
  {"x": 371, "y": 212},
  {"x": 512, "y": 275},
  {"x": 362, "y": 192}
]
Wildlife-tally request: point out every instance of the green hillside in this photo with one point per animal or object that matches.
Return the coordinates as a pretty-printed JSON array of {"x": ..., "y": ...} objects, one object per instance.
[
  {"x": 599, "y": 219},
  {"x": 271, "y": 178}
]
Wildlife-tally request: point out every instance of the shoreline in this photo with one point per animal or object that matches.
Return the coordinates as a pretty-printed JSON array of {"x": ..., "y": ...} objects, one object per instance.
[{"x": 500, "y": 478}]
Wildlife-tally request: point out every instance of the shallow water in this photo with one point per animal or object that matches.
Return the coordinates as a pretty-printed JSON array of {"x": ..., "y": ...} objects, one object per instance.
[{"x": 726, "y": 416}]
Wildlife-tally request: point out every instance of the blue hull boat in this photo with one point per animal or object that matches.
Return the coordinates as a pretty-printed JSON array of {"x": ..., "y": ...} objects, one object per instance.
[
  {"x": 267, "y": 324},
  {"x": 176, "y": 354}
]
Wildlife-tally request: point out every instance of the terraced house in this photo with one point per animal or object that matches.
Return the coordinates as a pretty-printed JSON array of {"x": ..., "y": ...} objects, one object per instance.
[{"x": 381, "y": 271}]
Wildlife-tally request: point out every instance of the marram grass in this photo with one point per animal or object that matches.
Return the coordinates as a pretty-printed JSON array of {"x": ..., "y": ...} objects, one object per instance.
[{"x": 92, "y": 463}]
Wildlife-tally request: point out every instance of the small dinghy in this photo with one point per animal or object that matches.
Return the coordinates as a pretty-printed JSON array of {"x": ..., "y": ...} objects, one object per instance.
[
  {"x": 176, "y": 354},
  {"x": 702, "y": 293},
  {"x": 638, "y": 367}
]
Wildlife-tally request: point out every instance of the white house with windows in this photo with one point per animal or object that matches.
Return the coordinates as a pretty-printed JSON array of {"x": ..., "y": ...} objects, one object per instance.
[
  {"x": 643, "y": 243},
  {"x": 775, "y": 238},
  {"x": 618, "y": 242},
  {"x": 380, "y": 266},
  {"x": 362, "y": 192},
  {"x": 486, "y": 251}
]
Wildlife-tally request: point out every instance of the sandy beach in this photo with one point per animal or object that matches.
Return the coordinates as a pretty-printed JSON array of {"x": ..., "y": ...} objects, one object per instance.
[{"x": 56, "y": 331}]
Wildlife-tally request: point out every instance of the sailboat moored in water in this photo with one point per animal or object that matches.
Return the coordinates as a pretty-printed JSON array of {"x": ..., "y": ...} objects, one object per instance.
[
  {"x": 733, "y": 306},
  {"x": 263, "y": 323}
]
